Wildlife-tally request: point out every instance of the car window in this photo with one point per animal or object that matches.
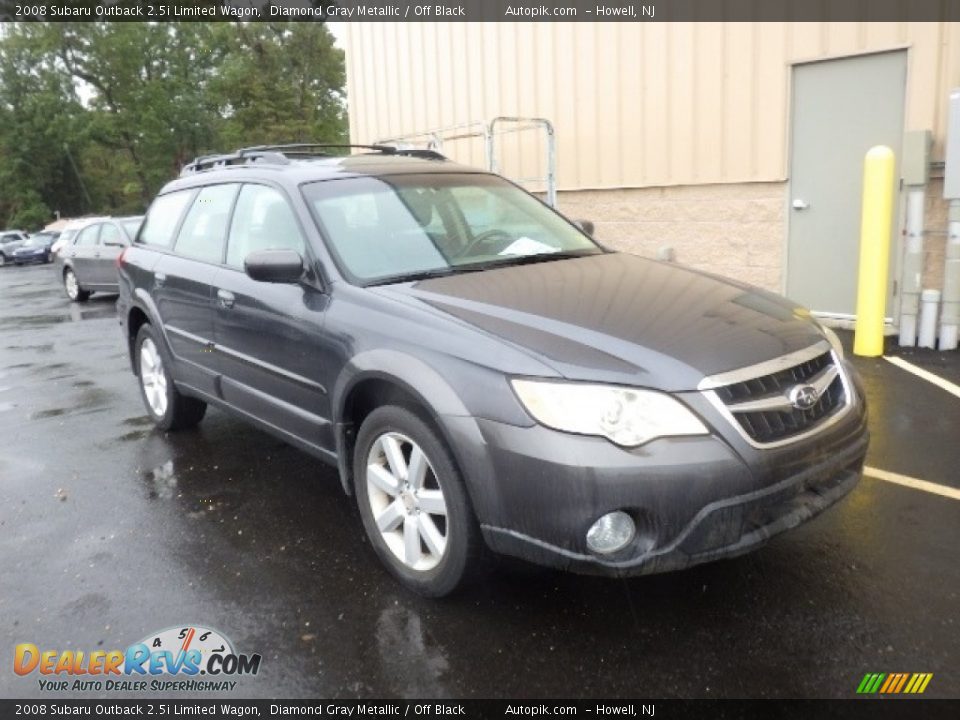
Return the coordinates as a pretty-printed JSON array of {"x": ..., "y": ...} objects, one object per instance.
[
  {"x": 110, "y": 234},
  {"x": 87, "y": 236},
  {"x": 204, "y": 230},
  {"x": 162, "y": 219},
  {"x": 263, "y": 220},
  {"x": 386, "y": 228}
]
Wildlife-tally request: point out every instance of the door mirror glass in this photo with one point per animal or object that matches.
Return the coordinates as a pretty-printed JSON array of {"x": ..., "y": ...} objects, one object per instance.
[{"x": 274, "y": 266}]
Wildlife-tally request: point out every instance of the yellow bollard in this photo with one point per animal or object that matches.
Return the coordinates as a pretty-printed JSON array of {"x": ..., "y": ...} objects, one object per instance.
[{"x": 876, "y": 221}]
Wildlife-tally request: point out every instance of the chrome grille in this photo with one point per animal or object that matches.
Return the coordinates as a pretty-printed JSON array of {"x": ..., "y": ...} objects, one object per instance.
[{"x": 777, "y": 406}]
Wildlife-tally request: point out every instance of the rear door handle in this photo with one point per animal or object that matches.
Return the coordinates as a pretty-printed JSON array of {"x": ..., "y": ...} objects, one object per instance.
[
  {"x": 159, "y": 279},
  {"x": 225, "y": 298}
]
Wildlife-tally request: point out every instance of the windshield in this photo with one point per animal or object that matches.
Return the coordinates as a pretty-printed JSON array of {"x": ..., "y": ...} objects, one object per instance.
[{"x": 404, "y": 227}]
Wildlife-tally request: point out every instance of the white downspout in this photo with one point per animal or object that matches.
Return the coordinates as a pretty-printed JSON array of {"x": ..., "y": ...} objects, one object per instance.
[
  {"x": 950, "y": 309},
  {"x": 912, "y": 267}
]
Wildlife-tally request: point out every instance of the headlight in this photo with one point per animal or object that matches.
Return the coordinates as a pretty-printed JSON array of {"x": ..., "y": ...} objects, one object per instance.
[
  {"x": 833, "y": 340},
  {"x": 627, "y": 416}
]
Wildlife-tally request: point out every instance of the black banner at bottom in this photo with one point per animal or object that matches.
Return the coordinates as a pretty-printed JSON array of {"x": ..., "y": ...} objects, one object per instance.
[{"x": 875, "y": 709}]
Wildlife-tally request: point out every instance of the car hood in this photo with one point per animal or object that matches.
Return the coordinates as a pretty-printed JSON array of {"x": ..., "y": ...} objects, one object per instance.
[{"x": 619, "y": 318}]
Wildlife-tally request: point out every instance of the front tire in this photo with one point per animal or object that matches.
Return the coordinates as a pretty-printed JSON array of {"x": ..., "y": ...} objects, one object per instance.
[
  {"x": 72, "y": 287},
  {"x": 413, "y": 503},
  {"x": 168, "y": 409}
]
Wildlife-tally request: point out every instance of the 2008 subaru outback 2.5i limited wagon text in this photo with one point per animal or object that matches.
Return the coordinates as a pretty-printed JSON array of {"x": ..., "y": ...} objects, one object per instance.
[{"x": 480, "y": 371}]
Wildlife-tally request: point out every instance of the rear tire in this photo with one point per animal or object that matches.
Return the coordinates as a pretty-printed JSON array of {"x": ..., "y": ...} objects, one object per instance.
[
  {"x": 166, "y": 406},
  {"x": 71, "y": 287},
  {"x": 414, "y": 504}
]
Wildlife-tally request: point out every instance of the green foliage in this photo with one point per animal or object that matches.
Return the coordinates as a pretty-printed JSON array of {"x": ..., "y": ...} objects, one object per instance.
[{"x": 96, "y": 117}]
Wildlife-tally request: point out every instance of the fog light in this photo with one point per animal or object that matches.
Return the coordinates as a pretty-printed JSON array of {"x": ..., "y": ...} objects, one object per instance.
[{"x": 611, "y": 533}]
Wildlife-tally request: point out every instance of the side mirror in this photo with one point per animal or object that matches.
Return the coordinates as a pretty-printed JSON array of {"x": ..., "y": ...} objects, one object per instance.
[
  {"x": 274, "y": 266},
  {"x": 585, "y": 225}
]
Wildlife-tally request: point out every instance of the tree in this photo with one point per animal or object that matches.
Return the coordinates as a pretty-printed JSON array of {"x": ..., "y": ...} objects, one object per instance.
[
  {"x": 39, "y": 118},
  {"x": 149, "y": 86},
  {"x": 96, "y": 117},
  {"x": 280, "y": 82}
]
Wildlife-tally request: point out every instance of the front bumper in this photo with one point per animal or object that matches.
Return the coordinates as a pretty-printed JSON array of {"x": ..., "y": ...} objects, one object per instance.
[
  {"x": 537, "y": 491},
  {"x": 41, "y": 257}
]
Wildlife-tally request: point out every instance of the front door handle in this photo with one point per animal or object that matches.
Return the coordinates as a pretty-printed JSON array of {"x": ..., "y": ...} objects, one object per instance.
[
  {"x": 225, "y": 298},
  {"x": 799, "y": 204},
  {"x": 159, "y": 279}
]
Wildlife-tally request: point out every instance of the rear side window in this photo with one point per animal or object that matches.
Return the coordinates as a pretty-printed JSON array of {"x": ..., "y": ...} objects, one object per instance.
[
  {"x": 110, "y": 235},
  {"x": 162, "y": 219},
  {"x": 263, "y": 220},
  {"x": 204, "y": 230},
  {"x": 87, "y": 236}
]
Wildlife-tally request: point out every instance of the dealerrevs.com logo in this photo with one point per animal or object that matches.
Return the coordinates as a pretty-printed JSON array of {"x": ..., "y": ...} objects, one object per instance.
[{"x": 190, "y": 658}]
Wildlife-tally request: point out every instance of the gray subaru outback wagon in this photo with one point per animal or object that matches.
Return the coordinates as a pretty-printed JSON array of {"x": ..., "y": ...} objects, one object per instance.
[{"x": 481, "y": 372}]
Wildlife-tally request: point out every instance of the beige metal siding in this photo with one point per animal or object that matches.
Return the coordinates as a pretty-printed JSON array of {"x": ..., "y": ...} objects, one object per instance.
[{"x": 634, "y": 104}]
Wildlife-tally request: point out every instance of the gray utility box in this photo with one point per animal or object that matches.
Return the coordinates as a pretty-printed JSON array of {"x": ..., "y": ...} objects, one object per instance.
[
  {"x": 915, "y": 164},
  {"x": 951, "y": 173}
]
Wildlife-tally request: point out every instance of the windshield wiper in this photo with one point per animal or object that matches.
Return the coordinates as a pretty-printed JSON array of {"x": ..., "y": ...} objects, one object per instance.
[
  {"x": 413, "y": 276},
  {"x": 513, "y": 260},
  {"x": 506, "y": 261}
]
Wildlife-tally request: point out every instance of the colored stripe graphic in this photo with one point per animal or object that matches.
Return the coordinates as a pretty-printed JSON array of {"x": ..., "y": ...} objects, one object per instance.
[
  {"x": 894, "y": 683},
  {"x": 903, "y": 681}
]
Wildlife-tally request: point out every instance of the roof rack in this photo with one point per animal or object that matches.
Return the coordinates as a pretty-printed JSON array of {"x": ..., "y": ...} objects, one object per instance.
[{"x": 282, "y": 154}]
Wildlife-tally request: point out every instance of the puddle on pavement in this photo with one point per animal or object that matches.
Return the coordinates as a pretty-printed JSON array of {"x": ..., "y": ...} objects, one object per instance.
[
  {"x": 76, "y": 315},
  {"x": 134, "y": 435},
  {"x": 53, "y": 412},
  {"x": 46, "y": 347},
  {"x": 91, "y": 399},
  {"x": 161, "y": 482},
  {"x": 5, "y": 406},
  {"x": 139, "y": 421},
  {"x": 32, "y": 320}
]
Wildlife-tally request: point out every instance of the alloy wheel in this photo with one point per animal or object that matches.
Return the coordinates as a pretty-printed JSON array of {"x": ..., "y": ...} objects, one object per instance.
[
  {"x": 407, "y": 501},
  {"x": 70, "y": 283},
  {"x": 153, "y": 379}
]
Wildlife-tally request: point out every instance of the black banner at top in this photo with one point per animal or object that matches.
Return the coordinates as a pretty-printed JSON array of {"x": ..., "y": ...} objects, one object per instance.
[{"x": 485, "y": 10}]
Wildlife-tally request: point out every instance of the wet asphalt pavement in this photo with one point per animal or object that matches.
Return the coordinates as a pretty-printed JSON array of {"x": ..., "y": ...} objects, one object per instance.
[{"x": 110, "y": 530}]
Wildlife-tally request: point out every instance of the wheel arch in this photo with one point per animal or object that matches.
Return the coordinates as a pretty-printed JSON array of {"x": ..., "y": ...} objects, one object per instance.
[
  {"x": 365, "y": 384},
  {"x": 142, "y": 311}
]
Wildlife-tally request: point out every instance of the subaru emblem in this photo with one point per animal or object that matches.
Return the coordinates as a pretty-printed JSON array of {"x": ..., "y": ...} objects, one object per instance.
[{"x": 803, "y": 397}]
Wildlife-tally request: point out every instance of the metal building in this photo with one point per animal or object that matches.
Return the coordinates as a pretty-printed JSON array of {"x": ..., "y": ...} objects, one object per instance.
[{"x": 737, "y": 145}]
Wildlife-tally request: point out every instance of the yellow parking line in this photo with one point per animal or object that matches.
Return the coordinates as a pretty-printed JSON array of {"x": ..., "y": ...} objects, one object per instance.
[
  {"x": 950, "y": 387},
  {"x": 906, "y": 481}
]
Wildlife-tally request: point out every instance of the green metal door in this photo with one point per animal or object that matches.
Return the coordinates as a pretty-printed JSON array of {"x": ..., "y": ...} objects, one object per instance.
[{"x": 840, "y": 109}]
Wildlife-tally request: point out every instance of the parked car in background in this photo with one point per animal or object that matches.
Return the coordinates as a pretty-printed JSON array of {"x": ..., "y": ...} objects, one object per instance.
[
  {"x": 10, "y": 240},
  {"x": 89, "y": 263},
  {"x": 70, "y": 229},
  {"x": 36, "y": 248}
]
